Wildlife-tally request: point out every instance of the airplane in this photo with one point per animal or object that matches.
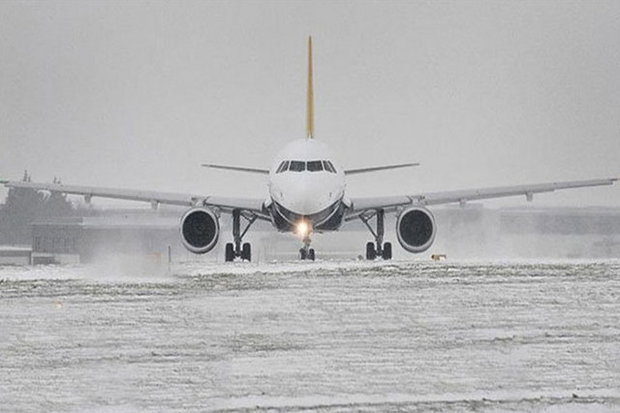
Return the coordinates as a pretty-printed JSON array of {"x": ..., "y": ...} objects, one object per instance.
[{"x": 306, "y": 195}]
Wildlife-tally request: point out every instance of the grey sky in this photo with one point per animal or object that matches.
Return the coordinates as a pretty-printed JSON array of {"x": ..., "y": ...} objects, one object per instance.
[{"x": 139, "y": 94}]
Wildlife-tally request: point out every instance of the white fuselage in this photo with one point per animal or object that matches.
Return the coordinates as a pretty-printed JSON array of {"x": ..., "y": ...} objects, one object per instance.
[{"x": 306, "y": 183}]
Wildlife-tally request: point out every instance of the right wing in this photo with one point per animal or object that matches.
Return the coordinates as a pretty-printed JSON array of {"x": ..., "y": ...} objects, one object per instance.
[
  {"x": 390, "y": 203},
  {"x": 224, "y": 203},
  {"x": 237, "y": 168}
]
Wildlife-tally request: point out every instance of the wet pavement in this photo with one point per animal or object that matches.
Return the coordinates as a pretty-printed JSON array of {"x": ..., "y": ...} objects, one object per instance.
[{"x": 324, "y": 336}]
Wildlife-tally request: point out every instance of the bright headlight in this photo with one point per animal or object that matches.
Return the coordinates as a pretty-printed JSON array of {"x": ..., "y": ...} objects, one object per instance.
[{"x": 303, "y": 228}]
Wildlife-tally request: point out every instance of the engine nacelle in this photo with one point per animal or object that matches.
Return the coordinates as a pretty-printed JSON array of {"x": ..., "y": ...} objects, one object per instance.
[
  {"x": 416, "y": 229},
  {"x": 200, "y": 230}
]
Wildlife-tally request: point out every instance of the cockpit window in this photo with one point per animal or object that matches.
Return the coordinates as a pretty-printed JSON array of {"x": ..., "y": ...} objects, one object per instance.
[
  {"x": 329, "y": 166},
  {"x": 301, "y": 166},
  {"x": 283, "y": 167},
  {"x": 315, "y": 166},
  {"x": 297, "y": 166}
]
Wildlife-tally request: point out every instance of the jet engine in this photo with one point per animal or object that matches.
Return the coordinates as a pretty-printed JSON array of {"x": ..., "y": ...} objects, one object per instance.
[
  {"x": 200, "y": 230},
  {"x": 416, "y": 229}
]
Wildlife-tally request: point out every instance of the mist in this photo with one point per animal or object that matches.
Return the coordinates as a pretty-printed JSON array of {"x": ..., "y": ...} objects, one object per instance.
[
  {"x": 138, "y": 95},
  {"x": 104, "y": 308}
]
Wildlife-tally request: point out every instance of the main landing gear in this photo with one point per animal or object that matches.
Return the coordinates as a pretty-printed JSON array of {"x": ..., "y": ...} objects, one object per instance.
[
  {"x": 306, "y": 253},
  {"x": 378, "y": 249},
  {"x": 237, "y": 249}
]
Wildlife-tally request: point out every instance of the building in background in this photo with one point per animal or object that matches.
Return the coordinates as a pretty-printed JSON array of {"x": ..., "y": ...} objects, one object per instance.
[
  {"x": 10, "y": 255},
  {"x": 113, "y": 232},
  {"x": 469, "y": 232}
]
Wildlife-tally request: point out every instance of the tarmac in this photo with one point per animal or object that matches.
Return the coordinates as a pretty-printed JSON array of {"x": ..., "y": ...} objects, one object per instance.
[{"x": 328, "y": 336}]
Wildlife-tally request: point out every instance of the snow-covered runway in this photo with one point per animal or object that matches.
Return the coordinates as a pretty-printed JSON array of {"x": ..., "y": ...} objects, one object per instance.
[{"x": 330, "y": 336}]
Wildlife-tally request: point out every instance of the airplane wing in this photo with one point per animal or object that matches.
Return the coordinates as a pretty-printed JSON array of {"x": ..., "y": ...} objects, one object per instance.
[
  {"x": 236, "y": 168},
  {"x": 390, "y": 203},
  {"x": 379, "y": 168},
  {"x": 155, "y": 198}
]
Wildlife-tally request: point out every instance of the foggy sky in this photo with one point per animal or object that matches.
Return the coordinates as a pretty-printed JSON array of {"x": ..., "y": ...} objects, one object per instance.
[{"x": 139, "y": 94}]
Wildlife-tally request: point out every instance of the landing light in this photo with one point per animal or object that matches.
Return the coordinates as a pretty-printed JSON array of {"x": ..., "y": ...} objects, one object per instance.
[{"x": 303, "y": 228}]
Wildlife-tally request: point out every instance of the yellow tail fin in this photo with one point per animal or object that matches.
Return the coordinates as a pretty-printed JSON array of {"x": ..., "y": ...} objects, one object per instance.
[{"x": 310, "y": 95}]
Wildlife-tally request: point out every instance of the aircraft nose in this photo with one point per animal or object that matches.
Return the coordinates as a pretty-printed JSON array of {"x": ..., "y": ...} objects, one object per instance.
[{"x": 308, "y": 197}]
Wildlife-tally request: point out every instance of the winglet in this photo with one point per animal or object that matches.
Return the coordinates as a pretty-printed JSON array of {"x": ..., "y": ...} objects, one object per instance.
[{"x": 309, "y": 95}]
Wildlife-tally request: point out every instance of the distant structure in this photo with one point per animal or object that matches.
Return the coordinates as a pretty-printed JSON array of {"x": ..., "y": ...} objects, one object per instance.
[
  {"x": 15, "y": 255},
  {"x": 84, "y": 239},
  {"x": 530, "y": 232},
  {"x": 472, "y": 231},
  {"x": 562, "y": 232},
  {"x": 24, "y": 206}
]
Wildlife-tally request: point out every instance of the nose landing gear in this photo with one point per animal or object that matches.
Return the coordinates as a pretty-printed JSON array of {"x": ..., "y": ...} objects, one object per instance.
[
  {"x": 237, "y": 249},
  {"x": 378, "y": 249},
  {"x": 307, "y": 253}
]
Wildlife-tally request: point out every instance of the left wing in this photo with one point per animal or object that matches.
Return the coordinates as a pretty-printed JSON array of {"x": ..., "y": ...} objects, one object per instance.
[
  {"x": 155, "y": 198},
  {"x": 389, "y": 203},
  {"x": 379, "y": 168}
]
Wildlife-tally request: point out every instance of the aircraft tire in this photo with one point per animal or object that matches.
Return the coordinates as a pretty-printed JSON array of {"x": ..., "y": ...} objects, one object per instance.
[
  {"x": 311, "y": 254},
  {"x": 246, "y": 252},
  {"x": 229, "y": 252},
  {"x": 302, "y": 254},
  {"x": 387, "y": 251},
  {"x": 371, "y": 253}
]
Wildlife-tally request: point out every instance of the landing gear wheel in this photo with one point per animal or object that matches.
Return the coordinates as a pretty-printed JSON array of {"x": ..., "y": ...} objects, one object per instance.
[
  {"x": 236, "y": 249},
  {"x": 387, "y": 251},
  {"x": 246, "y": 252},
  {"x": 302, "y": 254},
  {"x": 377, "y": 248},
  {"x": 230, "y": 252},
  {"x": 311, "y": 254},
  {"x": 371, "y": 253}
]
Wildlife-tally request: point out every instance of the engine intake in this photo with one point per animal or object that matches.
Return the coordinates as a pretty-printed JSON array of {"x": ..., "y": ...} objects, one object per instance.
[
  {"x": 416, "y": 229},
  {"x": 200, "y": 230}
]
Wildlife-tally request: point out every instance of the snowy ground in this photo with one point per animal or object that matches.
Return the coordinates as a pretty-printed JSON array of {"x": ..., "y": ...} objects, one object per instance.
[{"x": 330, "y": 336}]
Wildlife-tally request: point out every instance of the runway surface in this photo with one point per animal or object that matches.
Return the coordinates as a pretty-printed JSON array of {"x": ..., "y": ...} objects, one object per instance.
[{"x": 325, "y": 336}]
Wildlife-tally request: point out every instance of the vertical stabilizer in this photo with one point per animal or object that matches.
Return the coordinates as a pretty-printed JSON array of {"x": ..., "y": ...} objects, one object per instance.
[{"x": 310, "y": 95}]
